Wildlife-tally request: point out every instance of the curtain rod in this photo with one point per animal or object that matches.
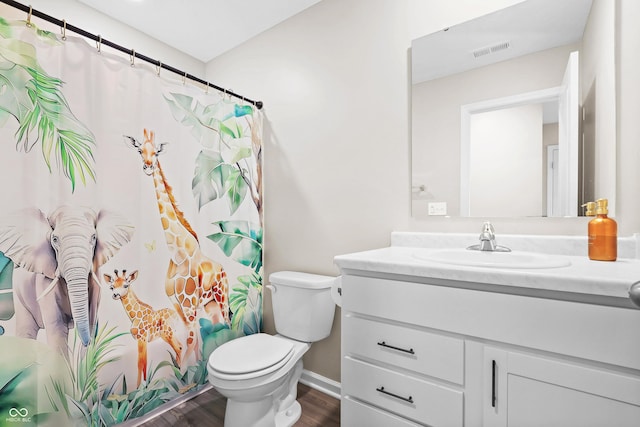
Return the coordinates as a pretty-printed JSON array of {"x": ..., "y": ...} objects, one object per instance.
[{"x": 131, "y": 52}]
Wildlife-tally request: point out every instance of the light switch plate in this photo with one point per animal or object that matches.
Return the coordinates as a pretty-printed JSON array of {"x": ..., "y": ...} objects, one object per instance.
[{"x": 437, "y": 208}]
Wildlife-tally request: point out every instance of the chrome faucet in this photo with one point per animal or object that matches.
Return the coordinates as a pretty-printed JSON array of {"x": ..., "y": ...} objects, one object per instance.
[
  {"x": 488, "y": 237},
  {"x": 488, "y": 240}
]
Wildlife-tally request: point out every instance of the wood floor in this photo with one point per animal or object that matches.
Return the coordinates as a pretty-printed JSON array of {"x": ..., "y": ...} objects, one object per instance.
[{"x": 207, "y": 409}]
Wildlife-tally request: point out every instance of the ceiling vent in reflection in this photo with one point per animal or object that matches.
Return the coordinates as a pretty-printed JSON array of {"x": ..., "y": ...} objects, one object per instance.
[{"x": 490, "y": 49}]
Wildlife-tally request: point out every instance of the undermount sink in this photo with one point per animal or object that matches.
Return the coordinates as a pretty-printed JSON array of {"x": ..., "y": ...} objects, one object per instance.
[{"x": 489, "y": 259}]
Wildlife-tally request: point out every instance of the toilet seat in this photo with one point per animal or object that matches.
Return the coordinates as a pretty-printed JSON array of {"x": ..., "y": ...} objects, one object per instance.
[{"x": 250, "y": 356}]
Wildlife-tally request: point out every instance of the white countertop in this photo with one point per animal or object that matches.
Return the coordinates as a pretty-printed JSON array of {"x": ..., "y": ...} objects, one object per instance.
[{"x": 582, "y": 276}]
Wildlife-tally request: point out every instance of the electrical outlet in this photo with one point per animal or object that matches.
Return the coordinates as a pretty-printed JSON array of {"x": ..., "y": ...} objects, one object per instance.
[{"x": 437, "y": 208}]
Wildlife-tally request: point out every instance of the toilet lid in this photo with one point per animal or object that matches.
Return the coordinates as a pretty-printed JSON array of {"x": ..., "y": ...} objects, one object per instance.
[{"x": 251, "y": 353}]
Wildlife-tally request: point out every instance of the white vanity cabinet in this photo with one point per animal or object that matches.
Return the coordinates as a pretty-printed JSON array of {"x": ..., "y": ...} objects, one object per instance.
[
  {"x": 530, "y": 390},
  {"x": 446, "y": 353}
]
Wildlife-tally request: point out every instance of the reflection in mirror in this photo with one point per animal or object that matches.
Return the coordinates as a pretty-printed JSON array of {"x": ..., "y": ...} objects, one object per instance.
[
  {"x": 504, "y": 112},
  {"x": 524, "y": 129}
]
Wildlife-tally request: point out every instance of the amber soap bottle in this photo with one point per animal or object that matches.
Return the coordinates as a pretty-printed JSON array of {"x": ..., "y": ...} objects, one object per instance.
[{"x": 603, "y": 234}]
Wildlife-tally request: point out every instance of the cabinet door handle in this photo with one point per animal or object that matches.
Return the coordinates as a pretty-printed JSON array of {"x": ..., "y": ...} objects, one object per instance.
[
  {"x": 406, "y": 399},
  {"x": 384, "y": 344},
  {"x": 494, "y": 367}
]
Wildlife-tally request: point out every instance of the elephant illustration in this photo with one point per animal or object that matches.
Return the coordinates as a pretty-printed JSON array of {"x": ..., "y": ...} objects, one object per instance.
[{"x": 57, "y": 259}]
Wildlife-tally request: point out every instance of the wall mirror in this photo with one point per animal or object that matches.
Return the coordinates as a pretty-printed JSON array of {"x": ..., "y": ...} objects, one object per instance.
[{"x": 513, "y": 113}]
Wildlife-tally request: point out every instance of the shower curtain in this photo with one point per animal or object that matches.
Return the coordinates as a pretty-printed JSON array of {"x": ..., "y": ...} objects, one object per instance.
[{"x": 130, "y": 231}]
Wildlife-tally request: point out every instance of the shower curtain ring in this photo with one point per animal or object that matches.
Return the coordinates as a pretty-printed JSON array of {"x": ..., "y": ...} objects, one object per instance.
[
  {"x": 184, "y": 78},
  {"x": 99, "y": 43},
  {"x": 132, "y": 57},
  {"x": 29, "y": 16},
  {"x": 64, "y": 30},
  {"x": 207, "y": 91},
  {"x": 158, "y": 67}
]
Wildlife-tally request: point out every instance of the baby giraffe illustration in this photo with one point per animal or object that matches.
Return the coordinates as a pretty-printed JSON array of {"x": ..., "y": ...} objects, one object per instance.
[{"x": 147, "y": 324}]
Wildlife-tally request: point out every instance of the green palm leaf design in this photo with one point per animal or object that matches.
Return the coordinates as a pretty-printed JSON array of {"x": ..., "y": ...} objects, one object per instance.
[
  {"x": 242, "y": 110},
  {"x": 35, "y": 100},
  {"x": 81, "y": 400},
  {"x": 23, "y": 368},
  {"x": 6, "y": 292},
  {"x": 213, "y": 179},
  {"x": 245, "y": 302},
  {"x": 222, "y": 170},
  {"x": 241, "y": 241},
  {"x": 11, "y": 392},
  {"x": 213, "y": 336},
  {"x": 93, "y": 404},
  {"x": 209, "y": 123},
  {"x": 116, "y": 408},
  {"x": 5, "y": 28},
  {"x": 202, "y": 119}
]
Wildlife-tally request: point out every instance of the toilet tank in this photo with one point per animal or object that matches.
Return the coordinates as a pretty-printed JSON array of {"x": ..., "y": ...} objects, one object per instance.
[{"x": 302, "y": 305}]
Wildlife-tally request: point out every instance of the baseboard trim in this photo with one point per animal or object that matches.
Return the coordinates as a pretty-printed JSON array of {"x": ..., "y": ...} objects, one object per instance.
[{"x": 320, "y": 383}]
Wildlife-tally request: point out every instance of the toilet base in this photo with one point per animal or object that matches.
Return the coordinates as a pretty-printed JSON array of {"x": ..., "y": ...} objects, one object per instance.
[
  {"x": 288, "y": 417},
  {"x": 258, "y": 413},
  {"x": 278, "y": 409}
]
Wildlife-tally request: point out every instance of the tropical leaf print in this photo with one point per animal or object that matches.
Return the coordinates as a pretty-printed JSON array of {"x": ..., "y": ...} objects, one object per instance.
[
  {"x": 245, "y": 301},
  {"x": 240, "y": 241},
  {"x": 5, "y": 28},
  {"x": 202, "y": 120},
  {"x": 193, "y": 376},
  {"x": 117, "y": 407},
  {"x": 22, "y": 376},
  {"x": 45, "y": 36},
  {"x": 214, "y": 335},
  {"x": 252, "y": 319},
  {"x": 81, "y": 399},
  {"x": 35, "y": 99},
  {"x": 242, "y": 110},
  {"x": 13, "y": 389},
  {"x": 209, "y": 123},
  {"x": 226, "y": 134},
  {"x": 213, "y": 179},
  {"x": 6, "y": 290},
  {"x": 92, "y": 404}
]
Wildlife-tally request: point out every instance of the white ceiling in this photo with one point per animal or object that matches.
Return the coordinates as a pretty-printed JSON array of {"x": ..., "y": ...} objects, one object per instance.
[
  {"x": 529, "y": 26},
  {"x": 202, "y": 29}
]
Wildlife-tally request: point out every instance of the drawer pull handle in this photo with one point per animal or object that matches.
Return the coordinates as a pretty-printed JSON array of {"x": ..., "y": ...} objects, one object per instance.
[
  {"x": 406, "y": 399},
  {"x": 494, "y": 367},
  {"x": 384, "y": 344}
]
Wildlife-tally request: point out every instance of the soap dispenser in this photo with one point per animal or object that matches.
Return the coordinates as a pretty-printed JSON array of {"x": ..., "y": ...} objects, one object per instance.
[
  {"x": 590, "y": 209},
  {"x": 603, "y": 234}
]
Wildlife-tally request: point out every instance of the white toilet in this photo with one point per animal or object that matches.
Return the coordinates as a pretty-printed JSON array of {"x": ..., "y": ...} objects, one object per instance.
[{"x": 258, "y": 374}]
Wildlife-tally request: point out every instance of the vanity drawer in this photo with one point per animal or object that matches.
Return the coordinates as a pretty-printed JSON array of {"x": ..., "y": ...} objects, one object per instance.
[
  {"x": 431, "y": 354},
  {"x": 407, "y": 396},
  {"x": 355, "y": 414}
]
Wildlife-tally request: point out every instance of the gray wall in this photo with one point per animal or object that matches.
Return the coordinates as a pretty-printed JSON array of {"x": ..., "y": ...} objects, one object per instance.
[{"x": 335, "y": 82}]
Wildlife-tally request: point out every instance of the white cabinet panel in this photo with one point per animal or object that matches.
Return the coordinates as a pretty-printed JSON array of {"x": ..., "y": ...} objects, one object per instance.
[
  {"x": 597, "y": 381},
  {"x": 522, "y": 389},
  {"x": 534, "y": 403}
]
